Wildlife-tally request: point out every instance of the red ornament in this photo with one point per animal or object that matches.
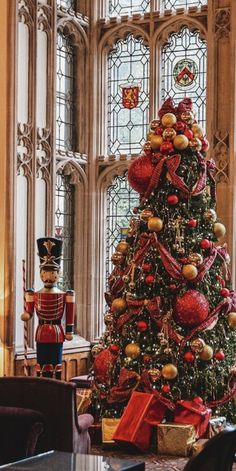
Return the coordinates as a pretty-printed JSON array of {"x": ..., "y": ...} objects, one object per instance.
[
  {"x": 135, "y": 210},
  {"x": 172, "y": 199},
  {"x": 172, "y": 287},
  {"x": 205, "y": 144},
  {"x": 224, "y": 292},
  {"x": 192, "y": 222},
  {"x": 146, "y": 358},
  {"x": 189, "y": 357},
  {"x": 146, "y": 267},
  {"x": 166, "y": 147},
  {"x": 221, "y": 280},
  {"x": 180, "y": 127},
  {"x": 198, "y": 400},
  {"x": 205, "y": 244},
  {"x": 189, "y": 134},
  {"x": 103, "y": 364},
  {"x": 150, "y": 279},
  {"x": 140, "y": 172},
  {"x": 159, "y": 131},
  {"x": 191, "y": 309},
  {"x": 165, "y": 388},
  {"x": 142, "y": 326},
  {"x": 219, "y": 355},
  {"x": 114, "y": 348}
]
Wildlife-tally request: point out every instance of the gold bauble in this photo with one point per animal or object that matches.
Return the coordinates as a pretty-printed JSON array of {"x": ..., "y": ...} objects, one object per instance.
[
  {"x": 147, "y": 146},
  {"x": 132, "y": 350},
  {"x": 96, "y": 349},
  {"x": 108, "y": 318},
  {"x": 155, "y": 141},
  {"x": 155, "y": 224},
  {"x": 169, "y": 134},
  {"x": 189, "y": 271},
  {"x": 232, "y": 319},
  {"x": 154, "y": 374},
  {"x": 180, "y": 142},
  {"x": 187, "y": 117},
  {"x": 169, "y": 371},
  {"x": 197, "y": 345},
  {"x": 168, "y": 120},
  {"x": 117, "y": 258},
  {"x": 197, "y": 130},
  {"x": 123, "y": 247},
  {"x": 195, "y": 144},
  {"x": 118, "y": 305},
  {"x": 195, "y": 258},
  {"x": 146, "y": 214},
  {"x": 155, "y": 123},
  {"x": 219, "y": 230},
  {"x": 206, "y": 353},
  {"x": 210, "y": 215}
]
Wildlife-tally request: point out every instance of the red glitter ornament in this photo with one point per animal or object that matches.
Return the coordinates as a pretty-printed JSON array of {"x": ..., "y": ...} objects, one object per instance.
[
  {"x": 205, "y": 244},
  {"x": 191, "y": 309},
  {"x": 198, "y": 400},
  {"x": 103, "y": 363},
  {"x": 140, "y": 172},
  {"x": 166, "y": 147},
  {"x": 159, "y": 131},
  {"x": 165, "y": 388},
  {"x": 189, "y": 357},
  {"x": 147, "y": 267},
  {"x": 150, "y": 279},
  {"x": 219, "y": 355},
  {"x": 180, "y": 127},
  {"x": 192, "y": 222},
  {"x": 142, "y": 326},
  {"x": 224, "y": 292},
  {"x": 189, "y": 134},
  {"x": 172, "y": 199},
  {"x": 147, "y": 358},
  {"x": 205, "y": 144},
  {"x": 114, "y": 348}
]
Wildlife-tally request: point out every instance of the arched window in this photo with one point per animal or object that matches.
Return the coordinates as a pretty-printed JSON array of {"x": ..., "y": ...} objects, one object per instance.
[
  {"x": 123, "y": 7},
  {"x": 183, "y": 69},
  {"x": 173, "y": 4},
  {"x": 127, "y": 128}
]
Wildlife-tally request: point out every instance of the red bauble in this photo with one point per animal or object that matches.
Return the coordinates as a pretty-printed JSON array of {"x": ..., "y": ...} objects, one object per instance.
[
  {"x": 166, "y": 147},
  {"x": 198, "y": 400},
  {"x": 140, "y": 172},
  {"x": 114, "y": 348},
  {"x": 146, "y": 267},
  {"x": 205, "y": 244},
  {"x": 103, "y": 364},
  {"x": 142, "y": 326},
  {"x": 191, "y": 309},
  {"x": 205, "y": 144},
  {"x": 150, "y": 279},
  {"x": 172, "y": 199},
  {"x": 159, "y": 131},
  {"x": 224, "y": 292},
  {"x": 135, "y": 210},
  {"x": 180, "y": 127},
  {"x": 146, "y": 358},
  {"x": 165, "y": 388},
  {"x": 189, "y": 357},
  {"x": 189, "y": 134},
  {"x": 192, "y": 222},
  {"x": 219, "y": 355}
]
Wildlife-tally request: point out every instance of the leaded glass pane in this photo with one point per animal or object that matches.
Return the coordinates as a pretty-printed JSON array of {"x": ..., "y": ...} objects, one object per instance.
[
  {"x": 66, "y": 3},
  {"x": 183, "y": 64},
  {"x": 127, "y": 128},
  {"x": 65, "y": 104},
  {"x": 64, "y": 227},
  {"x": 120, "y": 201},
  {"x": 173, "y": 4},
  {"x": 124, "y": 7}
]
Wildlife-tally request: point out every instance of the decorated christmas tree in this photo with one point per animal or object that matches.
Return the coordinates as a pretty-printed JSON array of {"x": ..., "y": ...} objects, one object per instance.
[{"x": 170, "y": 327}]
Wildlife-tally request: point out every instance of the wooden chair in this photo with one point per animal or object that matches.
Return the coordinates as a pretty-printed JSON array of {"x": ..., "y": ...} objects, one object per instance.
[
  {"x": 56, "y": 400},
  {"x": 217, "y": 455}
]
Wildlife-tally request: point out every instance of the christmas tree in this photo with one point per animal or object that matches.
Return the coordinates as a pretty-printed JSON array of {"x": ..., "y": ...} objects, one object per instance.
[{"x": 170, "y": 327}]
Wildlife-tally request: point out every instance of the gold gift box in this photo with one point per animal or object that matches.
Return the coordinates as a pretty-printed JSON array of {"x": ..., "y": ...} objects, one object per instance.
[
  {"x": 198, "y": 446},
  {"x": 83, "y": 400},
  {"x": 109, "y": 426},
  {"x": 175, "y": 439}
]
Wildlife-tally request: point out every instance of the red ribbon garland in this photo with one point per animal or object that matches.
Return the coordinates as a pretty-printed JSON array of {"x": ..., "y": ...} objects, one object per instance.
[
  {"x": 224, "y": 399},
  {"x": 145, "y": 381}
]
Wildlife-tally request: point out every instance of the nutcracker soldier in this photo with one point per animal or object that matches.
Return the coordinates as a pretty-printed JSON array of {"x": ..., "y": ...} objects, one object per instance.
[{"x": 50, "y": 304}]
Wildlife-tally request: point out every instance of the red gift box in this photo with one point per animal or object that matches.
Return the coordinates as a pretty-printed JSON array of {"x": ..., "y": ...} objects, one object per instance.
[
  {"x": 190, "y": 412},
  {"x": 135, "y": 427}
]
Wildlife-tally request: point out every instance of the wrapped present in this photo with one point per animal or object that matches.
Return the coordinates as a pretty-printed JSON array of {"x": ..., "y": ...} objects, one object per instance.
[
  {"x": 83, "y": 400},
  {"x": 135, "y": 427},
  {"x": 175, "y": 439},
  {"x": 198, "y": 446},
  {"x": 216, "y": 425},
  {"x": 191, "y": 412},
  {"x": 109, "y": 426}
]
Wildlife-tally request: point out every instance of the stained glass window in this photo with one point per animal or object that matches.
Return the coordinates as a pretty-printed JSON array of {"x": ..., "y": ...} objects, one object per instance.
[
  {"x": 120, "y": 201},
  {"x": 183, "y": 64},
  {"x": 64, "y": 227},
  {"x": 65, "y": 126},
  {"x": 66, "y": 4},
  {"x": 127, "y": 128},
  {"x": 124, "y": 7},
  {"x": 172, "y": 4}
]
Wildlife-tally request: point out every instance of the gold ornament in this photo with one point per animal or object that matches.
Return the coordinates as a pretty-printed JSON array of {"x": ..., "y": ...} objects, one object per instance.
[
  {"x": 189, "y": 271},
  {"x": 219, "y": 230},
  {"x": 132, "y": 350},
  {"x": 206, "y": 353},
  {"x": 197, "y": 345},
  {"x": 195, "y": 144},
  {"x": 169, "y": 371},
  {"x": 118, "y": 305},
  {"x": 180, "y": 142},
  {"x": 232, "y": 319},
  {"x": 210, "y": 215},
  {"x": 147, "y": 147},
  {"x": 123, "y": 247},
  {"x": 197, "y": 130},
  {"x": 108, "y": 318},
  {"x": 155, "y": 123},
  {"x": 117, "y": 258},
  {"x": 155, "y": 141},
  {"x": 169, "y": 134},
  {"x": 154, "y": 374},
  {"x": 187, "y": 117},
  {"x": 126, "y": 278},
  {"x": 168, "y": 120},
  {"x": 195, "y": 258},
  {"x": 96, "y": 349},
  {"x": 155, "y": 224},
  {"x": 146, "y": 214}
]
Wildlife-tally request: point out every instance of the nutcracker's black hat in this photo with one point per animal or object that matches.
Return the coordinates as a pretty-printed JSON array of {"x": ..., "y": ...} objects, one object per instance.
[{"x": 50, "y": 252}]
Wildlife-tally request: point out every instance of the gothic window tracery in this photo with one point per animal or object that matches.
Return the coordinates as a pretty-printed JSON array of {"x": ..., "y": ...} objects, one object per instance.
[
  {"x": 173, "y": 4},
  {"x": 122, "y": 7}
]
